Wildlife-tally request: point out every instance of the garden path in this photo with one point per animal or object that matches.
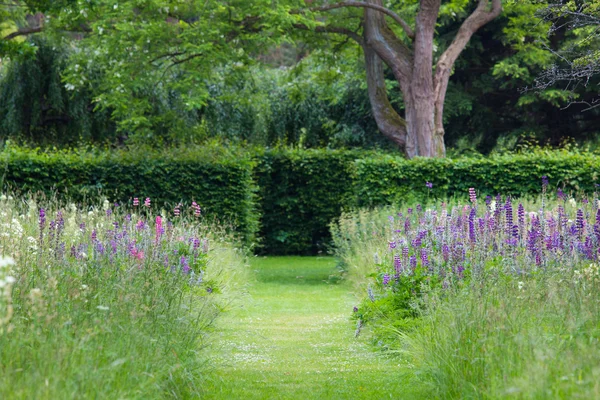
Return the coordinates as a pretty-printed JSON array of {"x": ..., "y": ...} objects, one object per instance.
[{"x": 293, "y": 339}]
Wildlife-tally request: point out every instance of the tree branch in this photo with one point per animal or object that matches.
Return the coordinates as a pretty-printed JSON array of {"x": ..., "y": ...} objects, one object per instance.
[
  {"x": 24, "y": 32},
  {"x": 333, "y": 29},
  {"x": 481, "y": 16},
  {"x": 361, "y": 4},
  {"x": 388, "y": 121}
]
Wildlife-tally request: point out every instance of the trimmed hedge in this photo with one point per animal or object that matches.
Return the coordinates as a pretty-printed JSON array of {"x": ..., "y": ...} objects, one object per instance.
[
  {"x": 301, "y": 192},
  {"x": 391, "y": 180},
  {"x": 222, "y": 186}
]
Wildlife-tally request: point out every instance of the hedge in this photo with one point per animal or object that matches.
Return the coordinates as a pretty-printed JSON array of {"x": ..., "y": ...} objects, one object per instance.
[
  {"x": 390, "y": 180},
  {"x": 288, "y": 197},
  {"x": 301, "y": 192},
  {"x": 223, "y": 187}
]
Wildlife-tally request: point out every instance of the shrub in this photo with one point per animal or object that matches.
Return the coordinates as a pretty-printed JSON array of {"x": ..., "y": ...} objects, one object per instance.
[
  {"x": 220, "y": 181},
  {"x": 301, "y": 192},
  {"x": 393, "y": 180}
]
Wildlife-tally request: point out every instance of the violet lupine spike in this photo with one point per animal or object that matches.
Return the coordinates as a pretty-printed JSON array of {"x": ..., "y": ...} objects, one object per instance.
[
  {"x": 42, "y": 219},
  {"x": 386, "y": 279},
  {"x": 397, "y": 264},
  {"x": 185, "y": 266},
  {"x": 425, "y": 257},
  {"x": 445, "y": 252},
  {"x": 472, "y": 236},
  {"x": 521, "y": 218},
  {"x": 405, "y": 253},
  {"x": 509, "y": 217},
  {"x": 580, "y": 222},
  {"x": 412, "y": 262},
  {"x": 406, "y": 225},
  {"x": 544, "y": 183}
]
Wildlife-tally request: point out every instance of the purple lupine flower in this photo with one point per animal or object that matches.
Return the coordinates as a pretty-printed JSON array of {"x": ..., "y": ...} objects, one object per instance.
[
  {"x": 544, "y": 183},
  {"x": 409, "y": 211},
  {"x": 60, "y": 221},
  {"x": 354, "y": 309},
  {"x": 397, "y": 264},
  {"x": 185, "y": 266},
  {"x": 42, "y": 219},
  {"x": 108, "y": 212},
  {"x": 386, "y": 279},
  {"x": 429, "y": 185},
  {"x": 509, "y": 216},
  {"x": 580, "y": 222},
  {"x": 99, "y": 247},
  {"x": 521, "y": 217},
  {"x": 419, "y": 208},
  {"x": 405, "y": 253},
  {"x": 392, "y": 245},
  {"x": 412, "y": 262},
  {"x": 445, "y": 252},
  {"x": 472, "y": 225},
  {"x": 488, "y": 200},
  {"x": 94, "y": 235},
  {"x": 560, "y": 194},
  {"x": 406, "y": 225},
  {"x": 73, "y": 251},
  {"x": 424, "y": 257}
]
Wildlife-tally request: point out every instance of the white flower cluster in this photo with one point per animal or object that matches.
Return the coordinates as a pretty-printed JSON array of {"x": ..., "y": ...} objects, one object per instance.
[{"x": 5, "y": 278}]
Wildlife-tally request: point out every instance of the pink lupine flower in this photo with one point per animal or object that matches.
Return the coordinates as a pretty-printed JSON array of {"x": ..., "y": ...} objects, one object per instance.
[
  {"x": 136, "y": 202},
  {"x": 159, "y": 228},
  {"x": 196, "y": 208},
  {"x": 147, "y": 202}
]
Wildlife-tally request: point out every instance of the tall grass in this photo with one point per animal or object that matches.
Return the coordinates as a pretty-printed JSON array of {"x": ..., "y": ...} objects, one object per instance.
[
  {"x": 483, "y": 300},
  {"x": 536, "y": 338},
  {"x": 108, "y": 302}
]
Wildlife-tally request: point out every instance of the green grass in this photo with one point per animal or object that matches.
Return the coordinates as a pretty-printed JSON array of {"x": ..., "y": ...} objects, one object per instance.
[
  {"x": 78, "y": 321},
  {"x": 293, "y": 339}
]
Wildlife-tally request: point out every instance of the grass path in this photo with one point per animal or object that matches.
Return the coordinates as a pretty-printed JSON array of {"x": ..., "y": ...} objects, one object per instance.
[{"x": 293, "y": 339}]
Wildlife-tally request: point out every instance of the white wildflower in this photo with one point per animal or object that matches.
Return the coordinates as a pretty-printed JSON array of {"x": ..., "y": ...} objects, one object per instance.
[
  {"x": 572, "y": 202},
  {"x": 493, "y": 205},
  {"x": 6, "y": 261},
  {"x": 102, "y": 308}
]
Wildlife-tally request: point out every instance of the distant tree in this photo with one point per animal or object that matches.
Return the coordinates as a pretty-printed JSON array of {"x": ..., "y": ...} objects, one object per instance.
[
  {"x": 579, "y": 62},
  {"x": 154, "y": 41}
]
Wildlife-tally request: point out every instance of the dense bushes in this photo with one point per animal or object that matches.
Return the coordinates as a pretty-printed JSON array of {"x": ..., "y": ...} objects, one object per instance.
[
  {"x": 300, "y": 191},
  {"x": 221, "y": 184},
  {"x": 389, "y": 180}
]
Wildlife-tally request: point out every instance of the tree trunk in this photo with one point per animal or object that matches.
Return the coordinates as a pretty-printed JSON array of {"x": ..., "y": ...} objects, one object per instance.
[{"x": 421, "y": 131}]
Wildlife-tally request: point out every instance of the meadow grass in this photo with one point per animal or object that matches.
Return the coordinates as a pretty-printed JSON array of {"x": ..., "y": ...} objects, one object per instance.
[
  {"x": 294, "y": 339},
  {"x": 479, "y": 301},
  {"x": 108, "y": 302}
]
